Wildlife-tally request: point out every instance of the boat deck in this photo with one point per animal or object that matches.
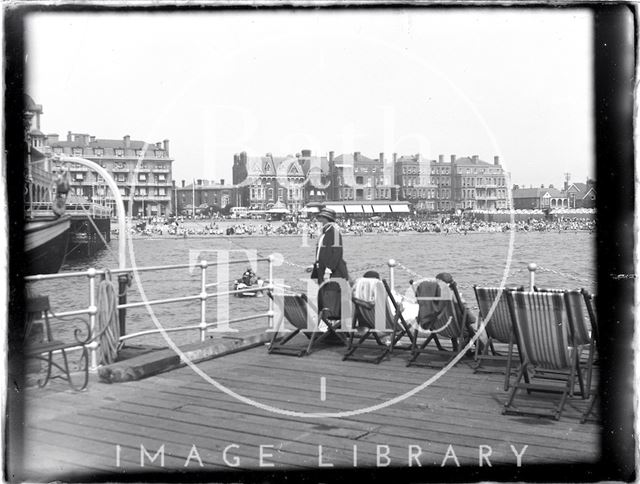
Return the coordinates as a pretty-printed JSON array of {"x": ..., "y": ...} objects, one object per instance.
[{"x": 118, "y": 428}]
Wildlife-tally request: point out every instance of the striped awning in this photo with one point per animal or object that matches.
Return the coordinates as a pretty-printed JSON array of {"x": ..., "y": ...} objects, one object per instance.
[
  {"x": 400, "y": 208},
  {"x": 381, "y": 208},
  {"x": 367, "y": 208},
  {"x": 336, "y": 208},
  {"x": 353, "y": 208}
]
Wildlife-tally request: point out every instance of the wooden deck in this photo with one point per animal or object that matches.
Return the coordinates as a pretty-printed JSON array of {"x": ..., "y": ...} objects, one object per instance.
[{"x": 111, "y": 428}]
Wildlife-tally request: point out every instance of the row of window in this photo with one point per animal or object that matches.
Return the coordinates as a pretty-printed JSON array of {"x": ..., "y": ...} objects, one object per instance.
[
  {"x": 260, "y": 193},
  {"x": 99, "y": 152},
  {"x": 143, "y": 191}
]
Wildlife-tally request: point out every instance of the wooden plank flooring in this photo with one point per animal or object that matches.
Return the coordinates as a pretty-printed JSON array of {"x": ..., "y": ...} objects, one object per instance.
[{"x": 119, "y": 428}]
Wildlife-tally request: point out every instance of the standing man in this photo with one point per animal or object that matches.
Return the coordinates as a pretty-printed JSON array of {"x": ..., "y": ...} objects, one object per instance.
[{"x": 329, "y": 263}]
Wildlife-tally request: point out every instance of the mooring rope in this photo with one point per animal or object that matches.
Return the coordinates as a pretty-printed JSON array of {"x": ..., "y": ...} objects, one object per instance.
[{"x": 107, "y": 324}]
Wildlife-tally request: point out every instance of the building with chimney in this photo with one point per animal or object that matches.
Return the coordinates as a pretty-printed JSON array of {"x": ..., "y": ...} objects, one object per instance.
[
  {"x": 477, "y": 184},
  {"x": 202, "y": 195},
  {"x": 539, "y": 198},
  {"x": 142, "y": 171},
  {"x": 412, "y": 174},
  {"x": 266, "y": 180},
  {"x": 356, "y": 177},
  {"x": 581, "y": 195}
]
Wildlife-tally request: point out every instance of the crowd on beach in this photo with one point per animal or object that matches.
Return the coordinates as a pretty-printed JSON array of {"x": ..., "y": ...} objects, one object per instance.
[{"x": 184, "y": 227}]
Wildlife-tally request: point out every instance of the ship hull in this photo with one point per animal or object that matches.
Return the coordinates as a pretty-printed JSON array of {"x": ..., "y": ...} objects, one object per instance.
[{"x": 46, "y": 244}]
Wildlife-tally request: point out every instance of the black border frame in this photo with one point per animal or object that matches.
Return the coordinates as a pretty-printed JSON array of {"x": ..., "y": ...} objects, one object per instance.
[{"x": 615, "y": 49}]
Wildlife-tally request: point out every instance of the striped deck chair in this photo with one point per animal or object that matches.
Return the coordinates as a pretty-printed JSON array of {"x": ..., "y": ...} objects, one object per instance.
[
  {"x": 498, "y": 328},
  {"x": 442, "y": 314},
  {"x": 373, "y": 297},
  {"x": 542, "y": 330},
  {"x": 304, "y": 316},
  {"x": 579, "y": 333}
]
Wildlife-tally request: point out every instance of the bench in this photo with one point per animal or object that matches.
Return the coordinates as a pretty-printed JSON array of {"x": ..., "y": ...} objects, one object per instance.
[{"x": 37, "y": 308}]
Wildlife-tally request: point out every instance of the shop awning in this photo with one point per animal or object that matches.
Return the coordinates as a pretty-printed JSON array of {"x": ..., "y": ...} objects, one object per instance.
[
  {"x": 381, "y": 208},
  {"x": 336, "y": 208},
  {"x": 353, "y": 208},
  {"x": 367, "y": 208},
  {"x": 400, "y": 208}
]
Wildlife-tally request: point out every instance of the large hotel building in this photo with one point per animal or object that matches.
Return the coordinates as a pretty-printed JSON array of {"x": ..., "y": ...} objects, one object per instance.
[
  {"x": 144, "y": 168},
  {"x": 431, "y": 185}
]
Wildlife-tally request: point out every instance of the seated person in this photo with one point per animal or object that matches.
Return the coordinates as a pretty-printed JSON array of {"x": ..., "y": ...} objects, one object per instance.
[
  {"x": 249, "y": 277},
  {"x": 471, "y": 324},
  {"x": 408, "y": 308}
]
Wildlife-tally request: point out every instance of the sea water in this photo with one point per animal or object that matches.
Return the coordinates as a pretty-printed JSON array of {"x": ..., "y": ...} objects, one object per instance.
[{"x": 565, "y": 260}]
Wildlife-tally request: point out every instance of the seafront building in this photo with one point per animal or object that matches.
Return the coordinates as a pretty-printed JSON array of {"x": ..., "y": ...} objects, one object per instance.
[
  {"x": 200, "y": 195},
  {"x": 428, "y": 185},
  {"x": 290, "y": 181},
  {"x": 145, "y": 168}
]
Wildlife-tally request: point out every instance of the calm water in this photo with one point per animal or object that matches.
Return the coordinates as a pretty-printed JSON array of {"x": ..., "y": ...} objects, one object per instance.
[{"x": 472, "y": 259}]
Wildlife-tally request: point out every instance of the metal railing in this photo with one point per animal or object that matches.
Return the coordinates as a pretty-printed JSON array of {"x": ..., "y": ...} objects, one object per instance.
[{"x": 202, "y": 327}]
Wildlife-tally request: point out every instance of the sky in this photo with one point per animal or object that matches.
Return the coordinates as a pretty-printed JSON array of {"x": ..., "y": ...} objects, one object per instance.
[{"x": 516, "y": 83}]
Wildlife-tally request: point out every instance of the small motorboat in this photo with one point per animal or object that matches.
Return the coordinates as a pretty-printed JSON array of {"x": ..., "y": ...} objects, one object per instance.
[{"x": 249, "y": 280}]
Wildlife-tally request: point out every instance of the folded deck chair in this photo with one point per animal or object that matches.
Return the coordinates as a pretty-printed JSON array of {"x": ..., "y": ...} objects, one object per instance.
[
  {"x": 373, "y": 297},
  {"x": 498, "y": 327},
  {"x": 304, "y": 316},
  {"x": 441, "y": 314},
  {"x": 541, "y": 328}
]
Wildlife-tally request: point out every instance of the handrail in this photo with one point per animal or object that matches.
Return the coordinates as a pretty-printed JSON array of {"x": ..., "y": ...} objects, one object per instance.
[
  {"x": 201, "y": 296},
  {"x": 62, "y": 275}
]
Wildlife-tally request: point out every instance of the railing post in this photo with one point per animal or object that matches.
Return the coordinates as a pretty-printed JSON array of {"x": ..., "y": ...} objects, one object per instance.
[
  {"x": 92, "y": 310},
  {"x": 123, "y": 282},
  {"x": 203, "y": 300},
  {"x": 392, "y": 263},
  {"x": 532, "y": 275},
  {"x": 270, "y": 311}
]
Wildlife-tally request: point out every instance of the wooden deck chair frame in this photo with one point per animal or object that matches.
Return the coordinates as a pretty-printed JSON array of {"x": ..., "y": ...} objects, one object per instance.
[
  {"x": 292, "y": 311},
  {"x": 364, "y": 318},
  {"x": 499, "y": 328},
  {"x": 457, "y": 324},
  {"x": 541, "y": 328},
  {"x": 579, "y": 336},
  {"x": 39, "y": 307}
]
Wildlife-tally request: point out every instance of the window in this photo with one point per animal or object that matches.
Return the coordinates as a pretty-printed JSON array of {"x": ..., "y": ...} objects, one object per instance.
[
  {"x": 162, "y": 178},
  {"x": 142, "y": 177},
  {"x": 98, "y": 151},
  {"x": 119, "y": 152},
  {"x": 121, "y": 177},
  {"x": 142, "y": 191},
  {"x": 79, "y": 176},
  {"x": 138, "y": 153},
  {"x": 162, "y": 192},
  {"x": 359, "y": 180},
  {"x": 159, "y": 153},
  {"x": 77, "y": 152}
]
